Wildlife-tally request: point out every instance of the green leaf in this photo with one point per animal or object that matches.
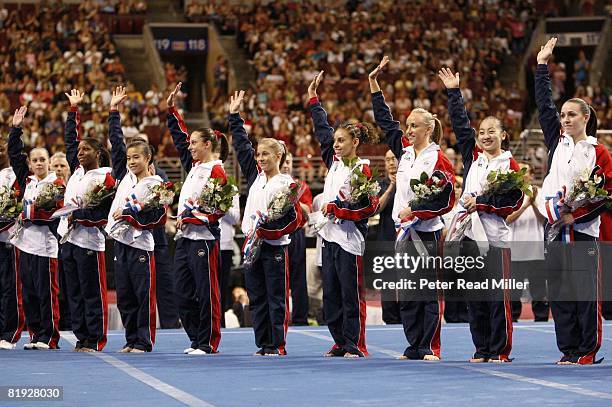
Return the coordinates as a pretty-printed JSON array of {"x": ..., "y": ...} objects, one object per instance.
[{"x": 424, "y": 177}]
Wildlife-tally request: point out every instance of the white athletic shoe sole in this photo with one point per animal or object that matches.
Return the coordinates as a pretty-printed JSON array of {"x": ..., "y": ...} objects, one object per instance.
[
  {"x": 188, "y": 350},
  {"x": 197, "y": 352},
  {"x": 41, "y": 346},
  {"x": 6, "y": 345},
  {"x": 29, "y": 346}
]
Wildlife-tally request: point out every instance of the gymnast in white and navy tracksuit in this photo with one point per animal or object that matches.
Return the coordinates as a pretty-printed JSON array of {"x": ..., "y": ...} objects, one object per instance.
[
  {"x": 267, "y": 279},
  {"x": 196, "y": 258},
  {"x": 82, "y": 254},
  {"x": 574, "y": 269},
  {"x": 344, "y": 240},
  {"x": 37, "y": 246},
  {"x": 489, "y": 316},
  {"x": 12, "y": 318},
  {"x": 134, "y": 258},
  {"x": 418, "y": 152}
]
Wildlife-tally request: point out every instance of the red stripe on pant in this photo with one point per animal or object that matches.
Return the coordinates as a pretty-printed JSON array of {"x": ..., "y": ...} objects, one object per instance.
[
  {"x": 17, "y": 265},
  {"x": 436, "y": 344},
  {"x": 589, "y": 358},
  {"x": 215, "y": 298},
  {"x": 505, "y": 352},
  {"x": 152, "y": 299},
  {"x": 361, "y": 342},
  {"x": 20, "y": 314},
  {"x": 54, "y": 292},
  {"x": 281, "y": 349},
  {"x": 103, "y": 300}
]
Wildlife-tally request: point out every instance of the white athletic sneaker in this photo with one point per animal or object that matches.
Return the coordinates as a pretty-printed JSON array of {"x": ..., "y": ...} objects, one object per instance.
[
  {"x": 188, "y": 350},
  {"x": 197, "y": 352},
  {"x": 29, "y": 346},
  {"x": 6, "y": 345},
  {"x": 41, "y": 346}
]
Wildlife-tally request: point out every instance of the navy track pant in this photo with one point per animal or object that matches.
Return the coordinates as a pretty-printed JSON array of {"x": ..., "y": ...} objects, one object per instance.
[
  {"x": 422, "y": 320},
  {"x": 40, "y": 297},
  {"x": 197, "y": 264},
  {"x": 491, "y": 318},
  {"x": 267, "y": 283},
  {"x": 85, "y": 276},
  {"x": 135, "y": 285},
  {"x": 297, "y": 274},
  {"x": 575, "y": 273},
  {"x": 344, "y": 303},
  {"x": 12, "y": 316}
]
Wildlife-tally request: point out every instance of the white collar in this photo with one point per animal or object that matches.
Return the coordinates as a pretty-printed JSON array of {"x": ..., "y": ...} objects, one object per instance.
[
  {"x": 589, "y": 140},
  {"x": 208, "y": 164},
  {"x": 431, "y": 146},
  {"x": 506, "y": 155},
  {"x": 49, "y": 178}
]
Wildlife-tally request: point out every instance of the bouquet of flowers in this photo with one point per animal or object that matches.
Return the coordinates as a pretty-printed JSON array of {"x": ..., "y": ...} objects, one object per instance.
[
  {"x": 357, "y": 187},
  {"x": 160, "y": 195},
  {"x": 100, "y": 192},
  {"x": 586, "y": 189},
  {"x": 426, "y": 189},
  {"x": 501, "y": 182},
  {"x": 10, "y": 206},
  {"x": 49, "y": 196},
  {"x": 282, "y": 202},
  {"x": 216, "y": 197},
  {"x": 360, "y": 185}
]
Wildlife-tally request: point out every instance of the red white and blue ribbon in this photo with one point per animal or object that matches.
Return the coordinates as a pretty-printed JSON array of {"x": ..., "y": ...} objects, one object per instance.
[
  {"x": 553, "y": 207},
  {"x": 28, "y": 209},
  {"x": 406, "y": 231},
  {"x": 133, "y": 203},
  {"x": 252, "y": 242}
]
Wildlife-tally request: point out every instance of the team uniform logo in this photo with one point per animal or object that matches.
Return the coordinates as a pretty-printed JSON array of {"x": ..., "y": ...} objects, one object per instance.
[{"x": 142, "y": 258}]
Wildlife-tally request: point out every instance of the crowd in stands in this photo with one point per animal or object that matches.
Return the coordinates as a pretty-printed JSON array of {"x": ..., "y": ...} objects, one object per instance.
[
  {"x": 288, "y": 43},
  {"x": 48, "y": 48}
]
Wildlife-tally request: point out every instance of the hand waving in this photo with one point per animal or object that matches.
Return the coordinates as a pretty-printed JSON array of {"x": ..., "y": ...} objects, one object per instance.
[
  {"x": 19, "y": 115},
  {"x": 173, "y": 94},
  {"x": 546, "y": 51},
  {"x": 119, "y": 96},
  {"x": 312, "y": 88},
  {"x": 374, "y": 74},
  {"x": 236, "y": 101},
  {"x": 450, "y": 81},
  {"x": 75, "y": 97}
]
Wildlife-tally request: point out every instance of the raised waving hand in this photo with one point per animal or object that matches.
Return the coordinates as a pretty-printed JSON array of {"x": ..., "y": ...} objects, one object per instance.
[
  {"x": 75, "y": 97},
  {"x": 312, "y": 88},
  {"x": 172, "y": 96},
  {"x": 372, "y": 77},
  {"x": 236, "y": 101},
  {"x": 119, "y": 95},
  {"x": 450, "y": 80},
  {"x": 19, "y": 115},
  {"x": 546, "y": 51}
]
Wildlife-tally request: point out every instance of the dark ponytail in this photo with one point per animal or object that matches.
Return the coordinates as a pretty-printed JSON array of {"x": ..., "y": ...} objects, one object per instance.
[
  {"x": 591, "y": 126},
  {"x": 218, "y": 140}
]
